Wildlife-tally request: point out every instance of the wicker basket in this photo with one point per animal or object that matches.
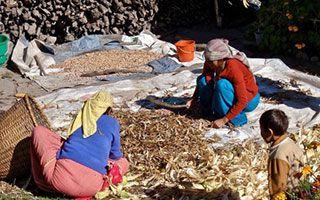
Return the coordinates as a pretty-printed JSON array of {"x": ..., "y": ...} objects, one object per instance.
[{"x": 16, "y": 125}]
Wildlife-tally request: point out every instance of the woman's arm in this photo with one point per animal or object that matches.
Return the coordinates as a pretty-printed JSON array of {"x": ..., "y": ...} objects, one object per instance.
[
  {"x": 240, "y": 90},
  {"x": 115, "y": 151},
  {"x": 194, "y": 98}
]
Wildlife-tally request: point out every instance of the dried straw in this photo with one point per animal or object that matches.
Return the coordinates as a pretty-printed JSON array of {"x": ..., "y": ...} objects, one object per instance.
[
  {"x": 170, "y": 159},
  {"x": 108, "y": 60}
]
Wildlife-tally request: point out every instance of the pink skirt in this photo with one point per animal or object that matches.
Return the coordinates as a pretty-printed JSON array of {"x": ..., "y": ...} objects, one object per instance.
[{"x": 64, "y": 175}]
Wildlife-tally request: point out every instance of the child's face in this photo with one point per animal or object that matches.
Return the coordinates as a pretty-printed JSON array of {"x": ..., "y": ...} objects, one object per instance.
[{"x": 266, "y": 134}]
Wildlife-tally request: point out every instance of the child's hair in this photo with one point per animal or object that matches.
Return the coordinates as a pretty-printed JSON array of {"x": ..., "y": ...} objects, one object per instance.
[{"x": 276, "y": 120}]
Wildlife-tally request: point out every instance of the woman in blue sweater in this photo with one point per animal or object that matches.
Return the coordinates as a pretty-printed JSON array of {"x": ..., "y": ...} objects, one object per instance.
[{"x": 88, "y": 160}]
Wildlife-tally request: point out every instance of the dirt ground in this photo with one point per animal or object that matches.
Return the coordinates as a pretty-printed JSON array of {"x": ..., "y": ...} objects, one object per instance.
[{"x": 12, "y": 83}]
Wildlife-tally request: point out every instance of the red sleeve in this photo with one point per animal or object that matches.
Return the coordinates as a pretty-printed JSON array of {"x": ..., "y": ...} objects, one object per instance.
[{"x": 236, "y": 76}]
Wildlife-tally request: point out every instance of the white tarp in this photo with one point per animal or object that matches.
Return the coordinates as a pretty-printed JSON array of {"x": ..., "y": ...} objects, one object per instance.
[
  {"x": 299, "y": 96},
  {"x": 147, "y": 40},
  {"x": 32, "y": 58}
]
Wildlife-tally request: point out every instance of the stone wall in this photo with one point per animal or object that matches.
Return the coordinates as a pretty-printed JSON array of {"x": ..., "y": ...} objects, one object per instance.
[{"x": 70, "y": 19}]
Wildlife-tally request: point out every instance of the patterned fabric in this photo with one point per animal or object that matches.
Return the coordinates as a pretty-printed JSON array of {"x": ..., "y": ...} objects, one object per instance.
[{"x": 218, "y": 49}]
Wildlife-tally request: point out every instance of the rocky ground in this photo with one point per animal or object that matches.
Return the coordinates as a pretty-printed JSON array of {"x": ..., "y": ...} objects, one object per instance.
[{"x": 12, "y": 83}]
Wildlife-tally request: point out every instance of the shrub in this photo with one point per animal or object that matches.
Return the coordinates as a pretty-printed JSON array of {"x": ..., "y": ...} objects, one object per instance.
[{"x": 290, "y": 27}]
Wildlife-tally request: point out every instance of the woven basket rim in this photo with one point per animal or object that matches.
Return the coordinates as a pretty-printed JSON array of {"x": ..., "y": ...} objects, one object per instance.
[{"x": 43, "y": 115}]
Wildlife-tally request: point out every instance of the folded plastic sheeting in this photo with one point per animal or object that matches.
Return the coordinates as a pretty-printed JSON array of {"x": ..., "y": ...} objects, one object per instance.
[
  {"x": 86, "y": 44},
  {"x": 32, "y": 58},
  {"x": 164, "y": 65}
]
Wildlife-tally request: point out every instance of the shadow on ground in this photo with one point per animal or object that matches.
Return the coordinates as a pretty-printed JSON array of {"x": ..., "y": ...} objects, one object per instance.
[
  {"x": 193, "y": 113},
  {"x": 20, "y": 159},
  {"x": 276, "y": 91},
  {"x": 25, "y": 188},
  {"x": 163, "y": 193}
]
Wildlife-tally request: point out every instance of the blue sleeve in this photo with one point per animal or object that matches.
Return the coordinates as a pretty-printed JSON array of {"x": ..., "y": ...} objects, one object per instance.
[{"x": 115, "y": 151}]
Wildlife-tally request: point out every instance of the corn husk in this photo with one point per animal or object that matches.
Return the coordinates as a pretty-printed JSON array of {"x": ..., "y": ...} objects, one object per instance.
[
  {"x": 177, "y": 162},
  {"x": 170, "y": 159}
]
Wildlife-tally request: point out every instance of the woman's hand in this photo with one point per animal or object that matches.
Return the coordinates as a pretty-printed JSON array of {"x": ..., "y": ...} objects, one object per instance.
[
  {"x": 219, "y": 122},
  {"x": 190, "y": 103}
]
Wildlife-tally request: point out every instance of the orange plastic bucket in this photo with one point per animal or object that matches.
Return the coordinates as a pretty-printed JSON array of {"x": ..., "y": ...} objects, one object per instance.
[{"x": 185, "y": 49}]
